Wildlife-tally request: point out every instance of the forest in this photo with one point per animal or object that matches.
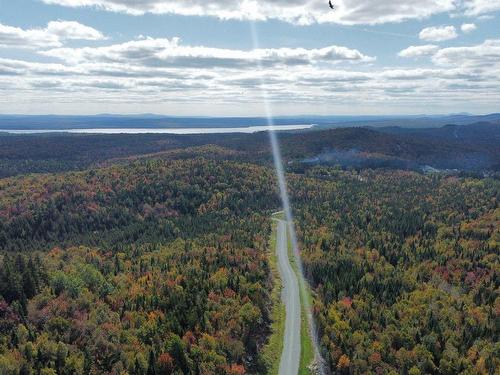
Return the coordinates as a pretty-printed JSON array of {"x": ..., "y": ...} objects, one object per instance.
[
  {"x": 154, "y": 267},
  {"x": 153, "y": 257},
  {"x": 472, "y": 148},
  {"x": 405, "y": 269}
]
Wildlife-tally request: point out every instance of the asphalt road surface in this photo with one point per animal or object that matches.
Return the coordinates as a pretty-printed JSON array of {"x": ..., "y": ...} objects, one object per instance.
[{"x": 290, "y": 357}]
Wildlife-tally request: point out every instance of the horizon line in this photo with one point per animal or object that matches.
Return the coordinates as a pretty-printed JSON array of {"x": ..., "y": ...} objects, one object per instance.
[{"x": 243, "y": 116}]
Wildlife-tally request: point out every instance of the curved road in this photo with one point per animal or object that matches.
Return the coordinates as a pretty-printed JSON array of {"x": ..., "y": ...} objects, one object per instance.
[{"x": 290, "y": 357}]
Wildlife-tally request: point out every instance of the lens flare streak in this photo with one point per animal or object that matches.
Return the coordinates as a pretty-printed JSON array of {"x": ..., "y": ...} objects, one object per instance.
[{"x": 278, "y": 165}]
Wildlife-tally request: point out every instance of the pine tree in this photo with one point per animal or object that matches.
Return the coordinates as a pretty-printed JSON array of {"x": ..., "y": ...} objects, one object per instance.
[{"x": 151, "y": 364}]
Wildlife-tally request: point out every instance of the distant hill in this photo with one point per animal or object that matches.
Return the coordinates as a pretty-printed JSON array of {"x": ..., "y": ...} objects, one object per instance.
[
  {"x": 410, "y": 121},
  {"x": 485, "y": 133},
  {"x": 151, "y": 121},
  {"x": 473, "y": 147}
]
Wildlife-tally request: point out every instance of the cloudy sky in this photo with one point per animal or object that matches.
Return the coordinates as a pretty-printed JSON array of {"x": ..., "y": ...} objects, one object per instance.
[{"x": 194, "y": 57}]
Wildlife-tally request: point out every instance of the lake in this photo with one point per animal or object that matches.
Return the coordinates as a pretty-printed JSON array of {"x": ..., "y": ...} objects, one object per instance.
[{"x": 248, "y": 129}]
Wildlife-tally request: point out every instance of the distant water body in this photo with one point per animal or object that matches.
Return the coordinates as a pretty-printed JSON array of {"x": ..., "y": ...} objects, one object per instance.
[{"x": 248, "y": 129}]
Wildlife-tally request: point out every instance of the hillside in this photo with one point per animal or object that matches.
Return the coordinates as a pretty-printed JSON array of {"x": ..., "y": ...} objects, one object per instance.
[
  {"x": 153, "y": 121},
  {"x": 483, "y": 133},
  {"x": 159, "y": 262},
  {"x": 405, "y": 270},
  {"x": 412, "y": 149},
  {"x": 152, "y": 265},
  {"x": 472, "y": 147}
]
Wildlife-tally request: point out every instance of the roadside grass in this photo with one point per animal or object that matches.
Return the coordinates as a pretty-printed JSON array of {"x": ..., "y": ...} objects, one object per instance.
[
  {"x": 306, "y": 344},
  {"x": 278, "y": 215},
  {"x": 271, "y": 353}
]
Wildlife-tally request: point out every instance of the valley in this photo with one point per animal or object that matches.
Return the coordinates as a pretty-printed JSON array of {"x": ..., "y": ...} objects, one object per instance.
[{"x": 154, "y": 257}]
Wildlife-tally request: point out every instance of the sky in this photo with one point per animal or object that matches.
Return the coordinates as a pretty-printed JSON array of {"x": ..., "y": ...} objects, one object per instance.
[{"x": 200, "y": 58}]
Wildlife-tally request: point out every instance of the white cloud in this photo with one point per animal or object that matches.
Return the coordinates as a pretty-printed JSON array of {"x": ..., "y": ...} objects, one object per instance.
[
  {"x": 20, "y": 67},
  {"x": 73, "y": 30},
  {"x": 468, "y": 28},
  {"x": 52, "y": 36},
  {"x": 418, "y": 51},
  {"x": 438, "y": 33},
  {"x": 478, "y": 7},
  {"x": 151, "y": 52},
  {"x": 163, "y": 75},
  {"x": 483, "y": 56},
  {"x": 295, "y": 11},
  {"x": 17, "y": 37}
]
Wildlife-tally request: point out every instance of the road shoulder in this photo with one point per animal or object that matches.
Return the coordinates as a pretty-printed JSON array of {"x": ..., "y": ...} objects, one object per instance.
[{"x": 271, "y": 353}]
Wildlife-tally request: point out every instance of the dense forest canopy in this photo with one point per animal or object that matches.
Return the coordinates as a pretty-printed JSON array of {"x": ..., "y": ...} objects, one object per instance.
[
  {"x": 156, "y": 266},
  {"x": 474, "y": 147},
  {"x": 153, "y": 257},
  {"x": 406, "y": 270}
]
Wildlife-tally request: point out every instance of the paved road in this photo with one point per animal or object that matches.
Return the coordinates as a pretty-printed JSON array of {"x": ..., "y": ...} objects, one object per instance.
[{"x": 290, "y": 358}]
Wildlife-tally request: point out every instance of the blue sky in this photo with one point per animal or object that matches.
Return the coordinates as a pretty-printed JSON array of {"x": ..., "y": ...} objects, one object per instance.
[{"x": 199, "y": 58}]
